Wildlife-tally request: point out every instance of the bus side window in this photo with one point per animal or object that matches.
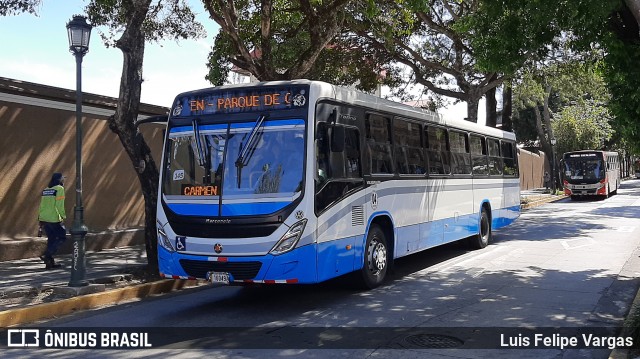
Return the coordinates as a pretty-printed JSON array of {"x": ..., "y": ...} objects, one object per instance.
[
  {"x": 479, "y": 156},
  {"x": 379, "y": 144},
  {"x": 495, "y": 160},
  {"x": 437, "y": 151},
  {"x": 407, "y": 138},
  {"x": 509, "y": 159},
  {"x": 460, "y": 159}
]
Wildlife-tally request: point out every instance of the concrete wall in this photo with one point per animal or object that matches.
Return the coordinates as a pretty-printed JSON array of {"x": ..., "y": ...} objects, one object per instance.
[
  {"x": 38, "y": 139},
  {"x": 532, "y": 166}
]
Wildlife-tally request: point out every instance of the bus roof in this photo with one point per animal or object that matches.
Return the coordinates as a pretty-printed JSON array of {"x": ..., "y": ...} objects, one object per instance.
[{"x": 342, "y": 94}]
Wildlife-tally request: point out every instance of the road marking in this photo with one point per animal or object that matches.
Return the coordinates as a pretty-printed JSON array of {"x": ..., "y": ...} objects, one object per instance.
[
  {"x": 571, "y": 243},
  {"x": 446, "y": 266}
]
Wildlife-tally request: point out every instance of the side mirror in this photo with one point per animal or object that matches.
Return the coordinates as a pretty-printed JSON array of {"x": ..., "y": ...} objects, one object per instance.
[{"x": 337, "y": 139}]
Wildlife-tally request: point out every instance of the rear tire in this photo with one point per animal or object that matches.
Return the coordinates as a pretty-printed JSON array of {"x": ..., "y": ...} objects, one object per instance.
[
  {"x": 483, "y": 237},
  {"x": 376, "y": 258}
]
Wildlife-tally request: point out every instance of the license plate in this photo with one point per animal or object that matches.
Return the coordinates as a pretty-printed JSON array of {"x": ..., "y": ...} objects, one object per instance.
[{"x": 218, "y": 277}]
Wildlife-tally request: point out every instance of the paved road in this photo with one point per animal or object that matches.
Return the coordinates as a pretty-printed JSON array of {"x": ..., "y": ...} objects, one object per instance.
[{"x": 565, "y": 264}]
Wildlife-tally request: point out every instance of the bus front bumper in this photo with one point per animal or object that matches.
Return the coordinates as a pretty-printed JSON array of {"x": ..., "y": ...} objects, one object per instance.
[{"x": 296, "y": 266}]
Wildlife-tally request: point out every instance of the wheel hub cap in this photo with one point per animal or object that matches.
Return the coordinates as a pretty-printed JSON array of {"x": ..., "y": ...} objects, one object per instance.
[{"x": 379, "y": 257}]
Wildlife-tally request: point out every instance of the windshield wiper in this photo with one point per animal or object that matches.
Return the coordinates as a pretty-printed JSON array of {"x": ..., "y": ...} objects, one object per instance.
[
  {"x": 196, "y": 137},
  {"x": 247, "y": 150}
]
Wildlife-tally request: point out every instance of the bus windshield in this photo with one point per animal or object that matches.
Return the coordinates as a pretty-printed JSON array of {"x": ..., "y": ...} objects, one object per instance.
[
  {"x": 584, "y": 168},
  {"x": 270, "y": 165}
]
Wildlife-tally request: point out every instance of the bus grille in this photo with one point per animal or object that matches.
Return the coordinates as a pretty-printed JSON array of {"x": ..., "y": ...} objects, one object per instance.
[{"x": 239, "y": 270}]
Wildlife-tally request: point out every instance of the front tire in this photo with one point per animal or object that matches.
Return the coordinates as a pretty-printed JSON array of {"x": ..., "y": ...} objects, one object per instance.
[
  {"x": 376, "y": 258},
  {"x": 483, "y": 237}
]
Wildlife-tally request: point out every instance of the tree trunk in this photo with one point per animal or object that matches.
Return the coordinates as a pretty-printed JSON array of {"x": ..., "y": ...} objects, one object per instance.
[
  {"x": 472, "y": 109},
  {"x": 491, "y": 109},
  {"x": 507, "y": 107},
  {"x": 546, "y": 113},
  {"x": 545, "y": 145},
  {"x": 122, "y": 123}
]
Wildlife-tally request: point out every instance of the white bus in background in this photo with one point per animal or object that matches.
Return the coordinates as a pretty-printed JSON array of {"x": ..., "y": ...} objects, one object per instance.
[{"x": 303, "y": 181}]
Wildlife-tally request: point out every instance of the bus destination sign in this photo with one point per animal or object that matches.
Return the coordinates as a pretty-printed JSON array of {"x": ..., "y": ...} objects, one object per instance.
[
  {"x": 574, "y": 155},
  {"x": 241, "y": 100}
]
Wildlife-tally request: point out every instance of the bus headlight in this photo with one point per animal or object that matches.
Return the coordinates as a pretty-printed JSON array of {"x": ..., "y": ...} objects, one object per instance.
[
  {"x": 163, "y": 240},
  {"x": 290, "y": 239}
]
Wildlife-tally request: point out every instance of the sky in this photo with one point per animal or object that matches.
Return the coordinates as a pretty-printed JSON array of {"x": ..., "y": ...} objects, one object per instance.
[{"x": 36, "y": 49}]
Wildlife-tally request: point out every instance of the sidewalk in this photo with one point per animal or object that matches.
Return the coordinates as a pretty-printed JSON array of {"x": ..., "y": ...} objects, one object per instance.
[
  {"x": 25, "y": 282},
  {"x": 29, "y": 293}
]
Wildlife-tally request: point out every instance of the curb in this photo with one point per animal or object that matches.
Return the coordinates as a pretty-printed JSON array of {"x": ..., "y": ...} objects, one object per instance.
[
  {"x": 542, "y": 201},
  {"x": 626, "y": 330},
  {"x": 14, "y": 317}
]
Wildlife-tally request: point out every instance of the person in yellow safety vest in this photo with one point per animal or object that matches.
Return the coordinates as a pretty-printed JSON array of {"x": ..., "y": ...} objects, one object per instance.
[{"x": 51, "y": 216}]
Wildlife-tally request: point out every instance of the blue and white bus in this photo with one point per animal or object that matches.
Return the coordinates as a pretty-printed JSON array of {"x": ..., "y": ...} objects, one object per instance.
[{"x": 302, "y": 181}]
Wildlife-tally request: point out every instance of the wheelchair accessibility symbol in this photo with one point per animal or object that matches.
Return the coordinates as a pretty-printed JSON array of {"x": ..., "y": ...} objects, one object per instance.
[{"x": 181, "y": 244}]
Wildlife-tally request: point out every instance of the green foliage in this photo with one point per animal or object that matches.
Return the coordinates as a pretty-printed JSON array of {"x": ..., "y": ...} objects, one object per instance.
[
  {"x": 219, "y": 63},
  {"x": 507, "y": 33},
  {"x": 524, "y": 126},
  {"x": 166, "y": 19},
  {"x": 290, "y": 40},
  {"x": 431, "y": 40},
  {"x": 14, "y": 7},
  {"x": 623, "y": 80},
  {"x": 582, "y": 126}
]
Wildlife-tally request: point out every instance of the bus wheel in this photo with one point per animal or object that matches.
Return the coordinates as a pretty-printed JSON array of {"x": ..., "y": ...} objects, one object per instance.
[
  {"x": 483, "y": 237},
  {"x": 376, "y": 260}
]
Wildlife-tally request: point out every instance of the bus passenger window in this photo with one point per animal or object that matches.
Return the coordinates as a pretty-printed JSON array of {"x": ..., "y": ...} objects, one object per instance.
[
  {"x": 495, "y": 160},
  {"x": 379, "y": 144},
  {"x": 460, "y": 159},
  {"x": 437, "y": 151},
  {"x": 509, "y": 159},
  {"x": 407, "y": 139},
  {"x": 479, "y": 156}
]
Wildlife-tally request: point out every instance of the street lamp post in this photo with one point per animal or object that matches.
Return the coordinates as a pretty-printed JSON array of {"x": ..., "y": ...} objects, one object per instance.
[
  {"x": 79, "y": 33},
  {"x": 554, "y": 186}
]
